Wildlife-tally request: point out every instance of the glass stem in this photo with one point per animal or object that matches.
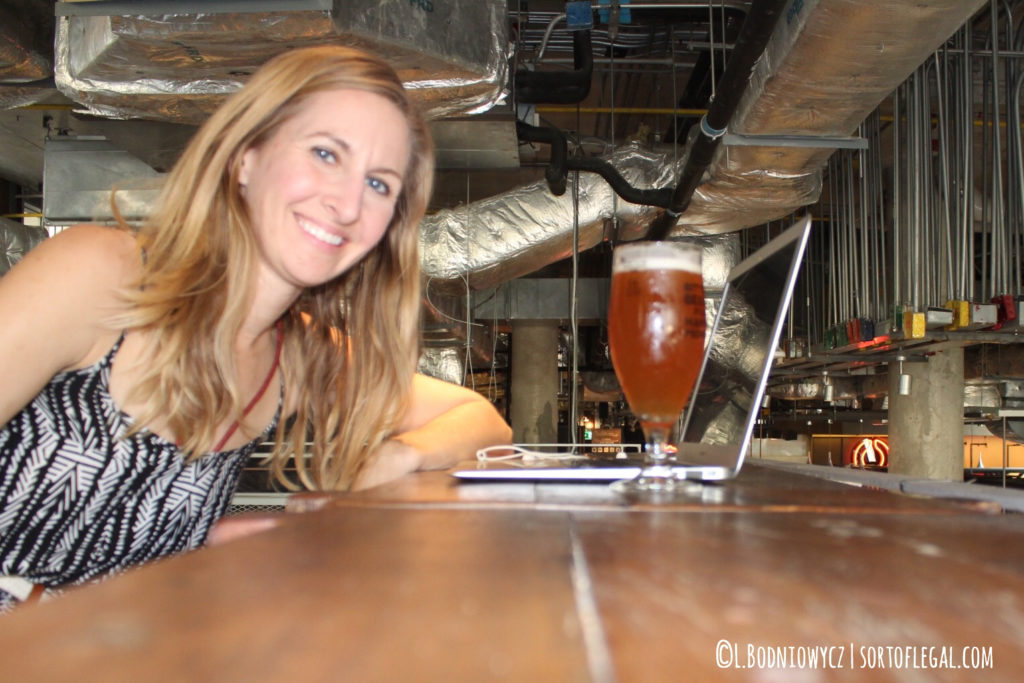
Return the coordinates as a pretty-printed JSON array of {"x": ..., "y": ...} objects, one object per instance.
[{"x": 656, "y": 447}]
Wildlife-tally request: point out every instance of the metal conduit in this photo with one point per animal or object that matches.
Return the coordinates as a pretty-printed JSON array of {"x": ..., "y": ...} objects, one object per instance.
[
  {"x": 897, "y": 218},
  {"x": 998, "y": 237},
  {"x": 1015, "y": 169},
  {"x": 966, "y": 195},
  {"x": 947, "y": 229}
]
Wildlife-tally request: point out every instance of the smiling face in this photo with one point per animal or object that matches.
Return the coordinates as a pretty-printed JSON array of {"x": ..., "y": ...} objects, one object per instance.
[{"x": 321, "y": 190}]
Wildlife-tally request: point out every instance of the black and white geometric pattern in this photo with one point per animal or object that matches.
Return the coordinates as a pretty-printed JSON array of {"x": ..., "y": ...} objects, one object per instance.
[{"x": 79, "y": 501}]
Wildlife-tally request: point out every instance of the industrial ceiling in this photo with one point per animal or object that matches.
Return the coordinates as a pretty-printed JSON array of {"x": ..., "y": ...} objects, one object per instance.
[{"x": 119, "y": 87}]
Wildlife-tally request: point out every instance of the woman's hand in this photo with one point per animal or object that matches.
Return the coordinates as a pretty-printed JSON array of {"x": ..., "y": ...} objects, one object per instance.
[
  {"x": 443, "y": 424},
  {"x": 393, "y": 459},
  {"x": 238, "y": 526}
]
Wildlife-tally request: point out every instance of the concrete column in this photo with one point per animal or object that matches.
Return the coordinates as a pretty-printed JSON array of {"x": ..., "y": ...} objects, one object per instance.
[
  {"x": 926, "y": 428},
  {"x": 533, "y": 391}
]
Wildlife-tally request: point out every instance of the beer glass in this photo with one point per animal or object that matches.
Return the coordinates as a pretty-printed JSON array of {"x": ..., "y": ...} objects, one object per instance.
[{"x": 656, "y": 336}]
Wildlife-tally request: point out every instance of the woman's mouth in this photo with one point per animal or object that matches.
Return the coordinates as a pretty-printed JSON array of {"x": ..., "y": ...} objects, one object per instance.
[{"x": 319, "y": 233}]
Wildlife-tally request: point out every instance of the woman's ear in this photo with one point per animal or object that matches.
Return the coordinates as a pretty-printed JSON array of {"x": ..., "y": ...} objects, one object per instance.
[{"x": 248, "y": 160}]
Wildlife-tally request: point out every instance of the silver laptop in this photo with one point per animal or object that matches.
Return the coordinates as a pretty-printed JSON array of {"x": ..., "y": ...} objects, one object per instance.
[{"x": 718, "y": 423}]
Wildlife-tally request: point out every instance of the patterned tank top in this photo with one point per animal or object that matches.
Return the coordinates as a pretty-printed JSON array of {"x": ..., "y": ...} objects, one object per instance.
[{"x": 79, "y": 501}]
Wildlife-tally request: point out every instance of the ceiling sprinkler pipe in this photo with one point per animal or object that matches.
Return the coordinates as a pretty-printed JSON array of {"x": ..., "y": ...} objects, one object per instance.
[{"x": 750, "y": 44}]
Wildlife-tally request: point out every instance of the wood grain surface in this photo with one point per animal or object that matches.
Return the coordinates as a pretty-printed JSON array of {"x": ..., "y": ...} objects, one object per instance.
[{"x": 428, "y": 579}]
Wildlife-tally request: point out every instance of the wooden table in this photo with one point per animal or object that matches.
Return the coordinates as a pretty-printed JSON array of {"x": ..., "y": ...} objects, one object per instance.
[{"x": 427, "y": 579}]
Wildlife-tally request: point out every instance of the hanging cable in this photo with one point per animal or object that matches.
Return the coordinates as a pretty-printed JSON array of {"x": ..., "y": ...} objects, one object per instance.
[
  {"x": 573, "y": 313},
  {"x": 711, "y": 41},
  {"x": 468, "y": 366}
]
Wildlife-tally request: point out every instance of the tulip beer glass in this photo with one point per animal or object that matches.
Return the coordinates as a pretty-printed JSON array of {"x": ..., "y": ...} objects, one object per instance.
[{"x": 656, "y": 334}]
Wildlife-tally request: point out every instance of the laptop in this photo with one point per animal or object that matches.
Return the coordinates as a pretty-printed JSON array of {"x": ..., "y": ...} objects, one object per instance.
[{"x": 718, "y": 423}]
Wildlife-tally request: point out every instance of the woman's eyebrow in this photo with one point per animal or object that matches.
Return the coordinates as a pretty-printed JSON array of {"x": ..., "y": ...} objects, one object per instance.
[{"x": 333, "y": 138}]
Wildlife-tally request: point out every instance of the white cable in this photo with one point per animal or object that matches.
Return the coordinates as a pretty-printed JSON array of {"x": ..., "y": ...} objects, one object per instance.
[
  {"x": 529, "y": 455},
  {"x": 426, "y": 295}
]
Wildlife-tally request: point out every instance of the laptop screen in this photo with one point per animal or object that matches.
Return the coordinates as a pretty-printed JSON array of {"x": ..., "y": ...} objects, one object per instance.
[
  {"x": 720, "y": 419},
  {"x": 745, "y": 333}
]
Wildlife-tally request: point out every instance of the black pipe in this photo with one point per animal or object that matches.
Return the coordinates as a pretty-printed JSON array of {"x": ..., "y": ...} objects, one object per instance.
[
  {"x": 697, "y": 91},
  {"x": 557, "y": 171},
  {"x": 660, "y": 197},
  {"x": 559, "y": 87},
  {"x": 757, "y": 29}
]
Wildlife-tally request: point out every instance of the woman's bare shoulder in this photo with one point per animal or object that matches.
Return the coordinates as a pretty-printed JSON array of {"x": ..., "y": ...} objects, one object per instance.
[
  {"x": 76, "y": 276},
  {"x": 103, "y": 242},
  {"x": 95, "y": 257},
  {"x": 55, "y": 303}
]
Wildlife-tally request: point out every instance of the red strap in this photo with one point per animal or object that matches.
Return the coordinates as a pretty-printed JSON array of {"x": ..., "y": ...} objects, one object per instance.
[
  {"x": 35, "y": 594},
  {"x": 259, "y": 394}
]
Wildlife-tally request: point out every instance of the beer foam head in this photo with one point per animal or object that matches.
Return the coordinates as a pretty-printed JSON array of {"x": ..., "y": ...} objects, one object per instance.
[{"x": 657, "y": 256}]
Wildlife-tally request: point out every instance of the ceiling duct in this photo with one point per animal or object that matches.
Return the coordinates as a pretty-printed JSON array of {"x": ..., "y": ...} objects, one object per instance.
[
  {"x": 156, "y": 64},
  {"x": 24, "y": 42},
  {"x": 828, "y": 65},
  {"x": 78, "y": 174},
  {"x": 16, "y": 239},
  {"x": 446, "y": 323},
  {"x": 26, "y": 66},
  {"x": 517, "y": 232},
  {"x": 446, "y": 363},
  {"x": 841, "y": 388},
  {"x": 983, "y": 398},
  {"x": 14, "y": 96}
]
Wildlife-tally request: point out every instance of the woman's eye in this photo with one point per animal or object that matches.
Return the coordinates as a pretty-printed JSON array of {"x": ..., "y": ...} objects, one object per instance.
[
  {"x": 379, "y": 186},
  {"x": 325, "y": 155}
]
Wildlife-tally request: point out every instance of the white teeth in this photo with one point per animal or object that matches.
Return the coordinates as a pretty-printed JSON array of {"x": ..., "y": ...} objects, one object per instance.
[{"x": 321, "y": 234}]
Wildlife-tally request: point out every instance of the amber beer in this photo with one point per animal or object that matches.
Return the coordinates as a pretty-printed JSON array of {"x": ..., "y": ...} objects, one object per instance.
[{"x": 656, "y": 328}]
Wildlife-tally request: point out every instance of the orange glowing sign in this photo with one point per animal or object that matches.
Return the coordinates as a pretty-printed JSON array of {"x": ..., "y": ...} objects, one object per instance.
[{"x": 871, "y": 451}]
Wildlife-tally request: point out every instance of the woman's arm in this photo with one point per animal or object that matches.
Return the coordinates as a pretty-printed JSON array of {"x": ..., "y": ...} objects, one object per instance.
[
  {"x": 444, "y": 424},
  {"x": 52, "y": 304}
]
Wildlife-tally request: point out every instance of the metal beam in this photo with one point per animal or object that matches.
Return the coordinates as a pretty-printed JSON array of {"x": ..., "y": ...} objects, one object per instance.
[{"x": 109, "y": 8}]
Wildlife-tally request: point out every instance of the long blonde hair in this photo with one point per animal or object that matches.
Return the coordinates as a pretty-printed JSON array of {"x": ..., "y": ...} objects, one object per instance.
[{"x": 350, "y": 345}]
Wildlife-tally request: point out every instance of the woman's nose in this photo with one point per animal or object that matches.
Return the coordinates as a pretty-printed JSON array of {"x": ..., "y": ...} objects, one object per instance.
[{"x": 344, "y": 198}]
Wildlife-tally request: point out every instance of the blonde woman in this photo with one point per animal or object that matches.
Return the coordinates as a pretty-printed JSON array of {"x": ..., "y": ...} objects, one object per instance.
[{"x": 273, "y": 293}]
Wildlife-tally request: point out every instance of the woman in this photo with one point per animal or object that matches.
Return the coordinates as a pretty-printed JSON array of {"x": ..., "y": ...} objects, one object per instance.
[{"x": 276, "y": 278}]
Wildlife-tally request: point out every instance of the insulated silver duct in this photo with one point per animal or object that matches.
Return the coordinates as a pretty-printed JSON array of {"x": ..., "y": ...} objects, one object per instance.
[
  {"x": 25, "y": 53},
  {"x": 984, "y": 397},
  {"x": 828, "y": 65},
  {"x": 179, "y": 67},
  {"x": 515, "y": 233},
  {"x": 814, "y": 389},
  {"x": 16, "y": 239},
  {"x": 445, "y": 363},
  {"x": 12, "y": 97},
  {"x": 21, "y": 58}
]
